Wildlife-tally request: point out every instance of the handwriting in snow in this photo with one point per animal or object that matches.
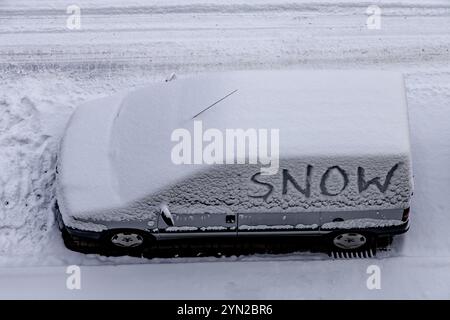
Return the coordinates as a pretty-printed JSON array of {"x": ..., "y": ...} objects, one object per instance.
[{"x": 288, "y": 182}]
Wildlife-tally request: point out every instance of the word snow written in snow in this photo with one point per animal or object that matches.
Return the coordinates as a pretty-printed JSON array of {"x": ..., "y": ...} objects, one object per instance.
[{"x": 362, "y": 183}]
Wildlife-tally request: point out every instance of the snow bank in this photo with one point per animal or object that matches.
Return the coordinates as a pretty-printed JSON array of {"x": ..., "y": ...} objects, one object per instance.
[{"x": 344, "y": 144}]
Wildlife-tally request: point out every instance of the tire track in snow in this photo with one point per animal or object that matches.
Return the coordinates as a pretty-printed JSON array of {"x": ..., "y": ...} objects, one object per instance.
[
  {"x": 323, "y": 7},
  {"x": 205, "y": 36}
]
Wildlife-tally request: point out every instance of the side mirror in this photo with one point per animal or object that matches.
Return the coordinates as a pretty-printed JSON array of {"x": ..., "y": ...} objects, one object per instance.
[{"x": 167, "y": 216}]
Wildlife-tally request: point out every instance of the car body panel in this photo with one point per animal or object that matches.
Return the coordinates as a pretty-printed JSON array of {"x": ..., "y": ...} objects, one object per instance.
[{"x": 195, "y": 225}]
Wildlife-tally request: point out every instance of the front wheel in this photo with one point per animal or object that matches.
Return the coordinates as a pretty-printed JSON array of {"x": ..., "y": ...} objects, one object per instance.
[{"x": 128, "y": 241}]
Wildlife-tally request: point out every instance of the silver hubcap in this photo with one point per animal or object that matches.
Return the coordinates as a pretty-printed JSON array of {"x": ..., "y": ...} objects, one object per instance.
[
  {"x": 128, "y": 240},
  {"x": 349, "y": 241}
]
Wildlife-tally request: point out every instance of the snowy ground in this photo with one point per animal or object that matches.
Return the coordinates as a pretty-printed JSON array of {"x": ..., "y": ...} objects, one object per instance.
[{"x": 46, "y": 70}]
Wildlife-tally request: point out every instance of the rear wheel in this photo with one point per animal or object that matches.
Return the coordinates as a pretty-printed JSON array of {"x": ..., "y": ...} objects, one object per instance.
[
  {"x": 352, "y": 244},
  {"x": 350, "y": 241}
]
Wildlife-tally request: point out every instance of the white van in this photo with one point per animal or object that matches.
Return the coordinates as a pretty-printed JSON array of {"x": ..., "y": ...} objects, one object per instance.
[{"x": 240, "y": 154}]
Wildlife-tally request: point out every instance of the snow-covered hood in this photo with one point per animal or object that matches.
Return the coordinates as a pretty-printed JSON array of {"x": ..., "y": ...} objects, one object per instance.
[
  {"x": 85, "y": 179},
  {"x": 117, "y": 150}
]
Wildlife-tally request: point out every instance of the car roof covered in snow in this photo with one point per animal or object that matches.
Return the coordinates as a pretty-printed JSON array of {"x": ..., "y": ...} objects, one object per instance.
[{"x": 118, "y": 149}]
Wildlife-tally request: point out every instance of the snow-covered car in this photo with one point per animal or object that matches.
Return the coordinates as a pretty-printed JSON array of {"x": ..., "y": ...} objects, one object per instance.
[{"x": 128, "y": 175}]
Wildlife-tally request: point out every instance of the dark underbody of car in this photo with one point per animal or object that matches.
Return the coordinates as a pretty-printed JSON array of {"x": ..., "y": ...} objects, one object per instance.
[{"x": 99, "y": 243}]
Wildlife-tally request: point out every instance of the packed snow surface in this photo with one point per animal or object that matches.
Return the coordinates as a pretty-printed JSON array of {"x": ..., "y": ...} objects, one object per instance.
[{"x": 48, "y": 70}]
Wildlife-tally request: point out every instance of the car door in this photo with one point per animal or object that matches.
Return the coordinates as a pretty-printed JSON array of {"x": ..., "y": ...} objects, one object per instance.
[
  {"x": 191, "y": 225},
  {"x": 277, "y": 223}
]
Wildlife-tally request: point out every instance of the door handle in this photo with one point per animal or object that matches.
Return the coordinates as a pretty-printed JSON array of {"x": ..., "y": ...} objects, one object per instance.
[{"x": 230, "y": 218}]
